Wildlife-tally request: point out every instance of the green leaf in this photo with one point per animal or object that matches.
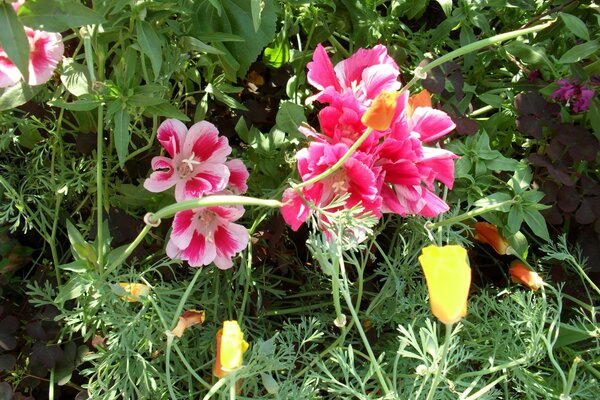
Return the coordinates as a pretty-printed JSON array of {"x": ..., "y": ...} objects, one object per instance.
[
  {"x": 75, "y": 77},
  {"x": 494, "y": 199},
  {"x": 73, "y": 289},
  {"x": 57, "y": 16},
  {"x": 518, "y": 245},
  {"x": 77, "y": 266},
  {"x": 223, "y": 98},
  {"x": 166, "y": 110},
  {"x": 236, "y": 19},
  {"x": 122, "y": 134},
  {"x": 579, "y": 52},
  {"x": 278, "y": 53},
  {"x": 150, "y": 45},
  {"x": 192, "y": 44},
  {"x": 289, "y": 117},
  {"x": 446, "y": 6},
  {"x": 515, "y": 219},
  {"x": 13, "y": 39},
  {"x": 255, "y": 7},
  {"x": 536, "y": 222},
  {"x": 531, "y": 55},
  {"x": 17, "y": 95},
  {"x": 575, "y": 25},
  {"x": 79, "y": 105}
]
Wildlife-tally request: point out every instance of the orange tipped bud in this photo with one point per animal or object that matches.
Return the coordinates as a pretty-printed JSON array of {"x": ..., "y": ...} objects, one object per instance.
[
  {"x": 380, "y": 114},
  {"x": 519, "y": 273},
  {"x": 421, "y": 99},
  {"x": 187, "y": 319},
  {"x": 448, "y": 277},
  {"x": 488, "y": 233}
]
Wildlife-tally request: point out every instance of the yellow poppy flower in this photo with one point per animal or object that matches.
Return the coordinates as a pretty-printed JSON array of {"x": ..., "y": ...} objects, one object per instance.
[
  {"x": 231, "y": 347},
  {"x": 448, "y": 277},
  {"x": 136, "y": 291}
]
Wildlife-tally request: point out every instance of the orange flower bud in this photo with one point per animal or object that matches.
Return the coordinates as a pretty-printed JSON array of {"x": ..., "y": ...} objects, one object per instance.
[
  {"x": 448, "y": 277},
  {"x": 188, "y": 318},
  {"x": 488, "y": 233},
  {"x": 380, "y": 114},
  {"x": 231, "y": 347},
  {"x": 519, "y": 273},
  {"x": 421, "y": 99}
]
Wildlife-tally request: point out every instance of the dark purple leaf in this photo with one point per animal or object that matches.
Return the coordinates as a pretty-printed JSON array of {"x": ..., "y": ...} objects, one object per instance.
[
  {"x": 9, "y": 325},
  {"x": 553, "y": 215},
  {"x": 530, "y": 103},
  {"x": 7, "y": 361},
  {"x": 550, "y": 189},
  {"x": 46, "y": 355},
  {"x": 454, "y": 75},
  {"x": 568, "y": 199},
  {"x": 6, "y": 392},
  {"x": 529, "y": 125},
  {"x": 435, "y": 81},
  {"x": 585, "y": 213},
  {"x": 555, "y": 150}
]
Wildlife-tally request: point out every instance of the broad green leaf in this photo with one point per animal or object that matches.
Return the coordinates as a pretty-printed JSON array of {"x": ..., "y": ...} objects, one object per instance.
[
  {"x": 219, "y": 37},
  {"x": 13, "y": 39},
  {"x": 223, "y": 98},
  {"x": 17, "y": 95},
  {"x": 531, "y": 55},
  {"x": 236, "y": 18},
  {"x": 278, "y": 53},
  {"x": 518, "y": 245},
  {"x": 515, "y": 219},
  {"x": 122, "y": 134},
  {"x": 191, "y": 43},
  {"x": 570, "y": 334},
  {"x": 72, "y": 289},
  {"x": 57, "y": 16},
  {"x": 289, "y": 117},
  {"x": 575, "y": 25},
  {"x": 493, "y": 200},
  {"x": 579, "y": 52},
  {"x": 75, "y": 77},
  {"x": 150, "y": 45},
  {"x": 536, "y": 222},
  {"x": 256, "y": 9},
  {"x": 77, "y": 266},
  {"x": 446, "y": 6},
  {"x": 79, "y": 105}
]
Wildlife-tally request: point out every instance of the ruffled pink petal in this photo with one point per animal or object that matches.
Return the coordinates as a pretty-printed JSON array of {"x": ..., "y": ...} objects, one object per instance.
[
  {"x": 204, "y": 142},
  {"x": 199, "y": 252},
  {"x": 362, "y": 179},
  {"x": 320, "y": 71},
  {"x": 434, "y": 206},
  {"x": 163, "y": 176},
  {"x": 46, "y": 51},
  {"x": 184, "y": 224},
  {"x": 294, "y": 211},
  {"x": 171, "y": 134},
  {"x": 402, "y": 172},
  {"x": 431, "y": 124},
  {"x": 230, "y": 239},
  {"x": 378, "y": 78},
  {"x": 437, "y": 164},
  {"x": 238, "y": 175},
  {"x": 390, "y": 202},
  {"x": 9, "y": 73},
  {"x": 350, "y": 70}
]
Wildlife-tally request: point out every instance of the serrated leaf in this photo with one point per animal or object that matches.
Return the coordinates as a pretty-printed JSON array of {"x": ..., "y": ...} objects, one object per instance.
[
  {"x": 278, "y": 53},
  {"x": 13, "y": 39},
  {"x": 150, "y": 45},
  {"x": 57, "y": 16},
  {"x": 575, "y": 25},
  {"x": 579, "y": 52},
  {"x": 122, "y": 134}
]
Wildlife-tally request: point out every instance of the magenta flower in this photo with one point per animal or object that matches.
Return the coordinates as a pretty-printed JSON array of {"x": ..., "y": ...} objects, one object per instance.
[
  {"x": 366, "y": 73},
  {"x": 238, "y": 175},
  {"x": 573, "y": 94},
  {"x": 197, "y": 164},
  {"x": 206, "y": 235},
  {"x": 45, "y": 51},
  {"x": 357, "y": 178}
]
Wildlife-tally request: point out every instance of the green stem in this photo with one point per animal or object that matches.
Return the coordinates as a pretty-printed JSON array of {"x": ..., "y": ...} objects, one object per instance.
[
  {"x": 363, "y": 336},
  {"x": 210, "y": 201},
  {"x": 52, "y": 243},
  {"x": 566, "y": 394},
  {"x": 119, "y": 260},
  {"x": 168, "y": 365},
  {"x": 441, "y": 364},
  {"x": 100, "y": 174},
  {"x": 468, "y": 215},
  {"x": 185, "y": 296},
  {"x": 420, "y": 71},
  {"x": 338, "y": 164}
]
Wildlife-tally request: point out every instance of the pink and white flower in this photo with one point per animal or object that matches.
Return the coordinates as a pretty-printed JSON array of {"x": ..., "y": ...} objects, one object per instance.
[
  {"x": 206, "y": 235},
  {"x": 363, "y": 76},
  {"x": 45, "y": 51},
  {"x": 197, "y": 163}
]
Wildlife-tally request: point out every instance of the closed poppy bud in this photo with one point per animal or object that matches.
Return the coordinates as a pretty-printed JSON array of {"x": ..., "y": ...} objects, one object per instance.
[
  {"x": 380, "y": 114},
  {"x": 135, "y": 291},
  {"x": 448, "y": 277},
  {"x": 421, "y": 99},
  {"x": 488, "y": 233},
  {"x": 519, "y": 273},
  {"x": 231, "y": 347}
]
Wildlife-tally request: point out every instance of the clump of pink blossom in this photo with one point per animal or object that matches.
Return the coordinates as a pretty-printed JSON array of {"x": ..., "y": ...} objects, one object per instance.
[
  {"x": 196, "y": 165},
  {"x": 392, "y": 171},
  {"x": 575, "y": 95}
]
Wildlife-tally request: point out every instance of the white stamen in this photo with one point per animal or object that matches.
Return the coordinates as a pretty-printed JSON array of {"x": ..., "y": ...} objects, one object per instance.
[{"x": 191, "y": 162}]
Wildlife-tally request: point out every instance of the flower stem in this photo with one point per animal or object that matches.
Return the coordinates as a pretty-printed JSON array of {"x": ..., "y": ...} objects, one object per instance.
[
  {"x": 441, "y": 364},
  {"x": 338, "y": 164},
  {"x": 468, "y": 215},
  {"x": 210, "y": 201}
]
